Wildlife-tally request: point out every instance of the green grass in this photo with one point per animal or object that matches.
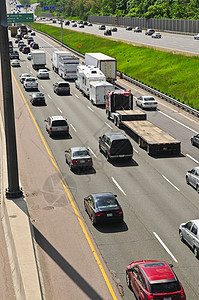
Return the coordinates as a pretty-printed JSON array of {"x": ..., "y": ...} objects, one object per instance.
[{"x": 176, "y": 75}]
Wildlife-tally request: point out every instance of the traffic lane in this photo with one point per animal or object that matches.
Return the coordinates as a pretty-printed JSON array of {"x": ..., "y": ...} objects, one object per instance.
[
  {"x": 168, "y": 41},
  {"x": 51, "y": 195}
]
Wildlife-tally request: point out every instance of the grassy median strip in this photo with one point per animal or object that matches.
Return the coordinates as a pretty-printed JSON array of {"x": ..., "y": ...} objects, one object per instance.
[{"x": 174, "y": 74}]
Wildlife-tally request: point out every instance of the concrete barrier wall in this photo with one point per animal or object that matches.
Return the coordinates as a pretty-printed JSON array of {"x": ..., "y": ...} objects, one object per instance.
[{"x": 173, "y": 25}]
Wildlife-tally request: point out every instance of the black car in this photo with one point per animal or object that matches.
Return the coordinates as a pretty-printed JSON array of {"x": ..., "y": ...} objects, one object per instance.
[
  {"x": 67, "y": 22},
  {"x": 26, "y": 50},
  {"x": 128, "y": 28},
  {"x": 35, "y": 46},
  {"x": 108, "y": 32},
  {"x": 102, "y": 27},
  {"x": 14, "y": 55},
  {"x": 21, "y": 47},
  {"x": 81, "y": 25},
  {"x": 61, "y": 88},
  {"x": 195, "y": 140},
  {"x": 37, "y": 98},
  {"x": 85, "y": 23},
  {"x": 30, "y": 39},
  {"x": 74, "y": 25},
  {"x": 115, "y": 145},
  {"x": 114, "y": 29},
  {"x": 32, "y": 33},
  {"x": 103, "y": 208}
]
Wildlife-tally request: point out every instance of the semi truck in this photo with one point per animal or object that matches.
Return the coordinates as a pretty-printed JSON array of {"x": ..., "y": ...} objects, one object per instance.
[
  {"x": 119, "y": 108},
  {"x": 86, "y": 75},
  {"x": 98, "y": 91},
  {"x": 68, "y": 66},
  {"x": 13, "y": 31},
  {"x": 107, "y": 64},
  {"x": 38, "y": 59}
]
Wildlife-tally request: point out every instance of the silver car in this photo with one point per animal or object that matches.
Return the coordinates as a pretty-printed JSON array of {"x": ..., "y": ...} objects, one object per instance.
[
  {"x": 78, "y": 157},
  {"x": 57, "y": 125},
  {"x": 192, "y": 177},
  {"x": 146, "y": 102},
  {"x": 15, "y": 63},
  {"x": 156, "y": 35},
  {"x": 43, "y": 73},
  {"x": 189, "y": 232}
]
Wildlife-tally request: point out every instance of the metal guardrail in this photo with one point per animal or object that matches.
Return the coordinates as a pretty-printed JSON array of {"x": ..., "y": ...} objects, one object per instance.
[{"x": 147, "y": 88}]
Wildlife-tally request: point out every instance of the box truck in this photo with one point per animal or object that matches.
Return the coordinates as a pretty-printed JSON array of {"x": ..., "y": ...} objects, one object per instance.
[{"x": 38, "y": 59}]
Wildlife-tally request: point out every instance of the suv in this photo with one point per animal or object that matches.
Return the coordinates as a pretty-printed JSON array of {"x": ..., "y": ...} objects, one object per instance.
[
  {"x": 102, "y": 27},
  {"x": 61, "y": 88},
  {"x": 108, "y": 32},
  {"x": 115, "y": 145},
  {"x": 57, "y": 125},
  {"x": 30, "y": 83},
  {"x": 149, "y": 31}
]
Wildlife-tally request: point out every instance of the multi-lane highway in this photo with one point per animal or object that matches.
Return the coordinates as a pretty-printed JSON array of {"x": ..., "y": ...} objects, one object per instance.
[
  {"x": 169, "y": 42},
  {"x": 152, "y": 191}
]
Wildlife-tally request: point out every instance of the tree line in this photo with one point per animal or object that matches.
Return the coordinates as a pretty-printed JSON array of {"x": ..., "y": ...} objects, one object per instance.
[{"x": 168, "y": 9}]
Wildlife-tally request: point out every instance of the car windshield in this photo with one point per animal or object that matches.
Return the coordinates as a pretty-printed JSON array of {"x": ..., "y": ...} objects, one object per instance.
[
  {"x": 43, "y": 70},
  {"x": 82, "y": 153},
  {"x": 63, "y": 84},
  {"x": 107, "y": 202},
  {"x": 38, "y": 95},
  {"x": 167, "y": 287}
]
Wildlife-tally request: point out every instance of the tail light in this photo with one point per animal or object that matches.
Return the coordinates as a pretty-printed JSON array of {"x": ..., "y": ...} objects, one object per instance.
[
  {"x": 119, "y": 212},
  {"x": 50, "y": 128},
  {"x": 74, "y": 161},
  {"x": 149, "y": 297},
  {"x": 87, "y": 89},
  {"x": 183, "y": 296},
  {"x": 99, "y": 214},
  {"x": 155, "y": 103},
  {"x": 57, "y": 89},
  {"x": 90, "y": 159}
]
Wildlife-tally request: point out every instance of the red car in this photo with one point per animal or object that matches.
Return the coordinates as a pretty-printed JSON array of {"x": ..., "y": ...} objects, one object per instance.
[{"x": 154, "y": 280}]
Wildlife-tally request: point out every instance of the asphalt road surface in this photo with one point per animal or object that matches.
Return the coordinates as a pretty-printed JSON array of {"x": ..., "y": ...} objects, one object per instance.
[{"x": 152, "y": 191}]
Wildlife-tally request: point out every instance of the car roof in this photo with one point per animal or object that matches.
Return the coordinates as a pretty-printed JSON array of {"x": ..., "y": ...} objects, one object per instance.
[
  {"x": 97, "y": 196},
  {"x": 116, "y": 135},
  {"x": 73, "y": 149},
  {"x": 196, "y": 221},
  {"x": 157, "y": 271},
  {"x": 57, "y": 118}
]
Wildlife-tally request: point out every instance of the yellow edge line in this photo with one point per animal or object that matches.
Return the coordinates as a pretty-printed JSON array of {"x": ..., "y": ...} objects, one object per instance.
[{"x": 69, "y": 196}]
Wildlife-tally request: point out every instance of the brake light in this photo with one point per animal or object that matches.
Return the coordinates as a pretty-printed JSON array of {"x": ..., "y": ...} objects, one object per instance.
[
  {"x": 51, "y": 129},
  {"x": 119, "y": 212},
  {"x": 57, "y": 89},
  {"x": 183, "y": 296},
  {"x": 90, "y": 159},
  {"x": 149, "y": 297},
  {"x": 87, "y": 89},
  {"x": 99, "y": 214},
  {"x": 74, "y": 161},
  {"x": 155, "y": 103}
]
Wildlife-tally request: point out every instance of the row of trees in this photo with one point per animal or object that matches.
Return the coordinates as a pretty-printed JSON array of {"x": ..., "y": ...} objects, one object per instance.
[{"x": 172, "y": 9}]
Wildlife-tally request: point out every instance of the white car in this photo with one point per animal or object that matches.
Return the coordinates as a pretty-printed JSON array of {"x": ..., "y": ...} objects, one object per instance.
[
  {"x": 156, "y": 35},
  {"x": 43, "y": 73},
  {"x": 30, "y": 83},
  {"x": 147, "y": 102},
  {"x": 189, "y": 232},
  {"x": 29, "y": 56},
  {"x": 15, "y": 63},
  {"x": 192, "y": 177}
]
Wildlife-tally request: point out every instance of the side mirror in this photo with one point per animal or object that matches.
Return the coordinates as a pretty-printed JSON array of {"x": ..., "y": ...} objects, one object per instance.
[
  {"x": 171, "y": 265},
  {"x": 66, "y": 151},
  {"x": 100, "y": 137},
  {"x": 115, "y": 196}
]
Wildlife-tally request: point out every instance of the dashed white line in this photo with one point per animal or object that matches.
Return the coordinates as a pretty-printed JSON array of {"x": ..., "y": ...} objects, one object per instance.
[
  {"x": 73, "y": 127},
  {"x": 170, "y": 183},
  {"x": 92, "y": 152},
  {"x": 76, "y": 96},
  {"x": 178, "y": 122},
  {"x": 109, "y": 125},
  {"x": 59, "y": 110},
  {"x": 118, "y": 186},
  {"x": 135, "y": 150},
  {"x": 90, "y": 108},
  {"x": 42, "y": 87},
  {"x": 27, "y": 67},
  {"x": 49, "y": 96},
  {"x": 196, "y": 161},
  {"x": 165, "y": 247},
  {"x": 58, "y": 78},
  {"x": 31, "y": 72}
]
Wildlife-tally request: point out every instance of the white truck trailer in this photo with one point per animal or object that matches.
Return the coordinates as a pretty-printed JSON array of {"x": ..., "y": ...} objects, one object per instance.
[
  {"x": 57, "y": 55},
  {"x": 68, "y": 66},
  {"x": 98, "y": 91},
  {"x": 38, "y": 59},
  {"x": 86, "y": 74},
  {"x": 107, "y": 64}
]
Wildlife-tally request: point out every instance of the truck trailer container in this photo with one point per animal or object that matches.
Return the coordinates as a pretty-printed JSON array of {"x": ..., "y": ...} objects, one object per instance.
[
  {"x": 119, "y": 108},
  {"x": 98, "y": 91},
  {"x": 38, "y": 59},
  {"x": 68, "y": 66},
  {"x": 107, "y": 64},
  {"x": 57, "y": 55}
]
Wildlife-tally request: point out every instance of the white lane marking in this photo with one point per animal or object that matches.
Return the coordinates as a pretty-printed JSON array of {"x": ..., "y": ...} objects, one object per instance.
[
  {"x": 76, "y": 96},
  {"x": 196, "y": 161},
  {"x": 109, "y": 125},
  {"x": 31, "y": 72},
  {"x": 58, "y": 78},
  {"x": 27, "y": 67},
  {"x": 90, "y": 108},
  {"x": 170, "y": 183},
  {"x": 59, "y": 110},
  {"x": 73, "y": 127},
  {"x": 92, "y": 151},
  {"x": 42, "y": 87},
  {"x": 165, "y": 247},
  {"x": 178, "y": 122},
  {"x": 135, "y": 150},
  {"x": 49, "y": 96},
  {"x": 119, "y": 187}
]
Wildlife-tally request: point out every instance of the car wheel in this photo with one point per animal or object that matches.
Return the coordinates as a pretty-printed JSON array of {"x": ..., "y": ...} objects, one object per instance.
[
  {"x": 128, "y": 280},
  {"x": 187, "y": 180},
  {"x": 195, "y": 251},
  {"x": 181, "y": 236}
]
